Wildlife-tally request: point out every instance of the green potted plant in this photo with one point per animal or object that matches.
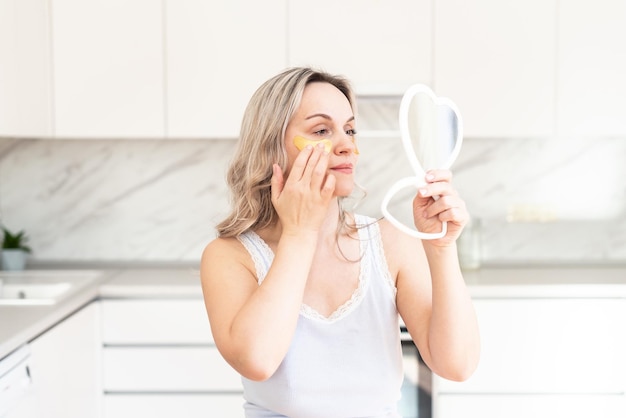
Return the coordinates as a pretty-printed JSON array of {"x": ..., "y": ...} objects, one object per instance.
[{"x": 14, "y": 250}]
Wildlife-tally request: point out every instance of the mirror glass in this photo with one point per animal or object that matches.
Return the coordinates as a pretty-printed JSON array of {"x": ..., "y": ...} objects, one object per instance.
[
  {"x": 433, "y": 129},
  {"x": 432, "y": 132}
]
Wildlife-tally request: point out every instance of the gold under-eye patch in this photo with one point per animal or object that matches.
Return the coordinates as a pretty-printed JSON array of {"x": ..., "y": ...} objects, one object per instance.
[
  {"x": 356, "y": 150},
  {"x": 301, "y": 142}
]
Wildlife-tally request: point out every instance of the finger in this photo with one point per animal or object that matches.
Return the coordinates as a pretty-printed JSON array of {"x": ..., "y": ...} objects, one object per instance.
[
  {"x": 300, "y": 164},
  {"x": 443, "y": 204},
  {"x": 454, "y": 215},
  {"x": 312, "y": 162},
  {"x": 436, "y": 175},
  {"x": 320, "y": 171},
  {"x": 277, "y": 183},
  {"x": 329, "y": 187},
  {"x": 440, "y": 188}
]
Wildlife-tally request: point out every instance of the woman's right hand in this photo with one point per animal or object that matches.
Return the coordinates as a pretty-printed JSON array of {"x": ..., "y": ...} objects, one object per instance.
[{"x": 302, "y": 200}]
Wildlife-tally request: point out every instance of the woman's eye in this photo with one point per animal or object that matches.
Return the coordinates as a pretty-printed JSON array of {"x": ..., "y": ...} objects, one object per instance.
[
  {"x": 322, "y": 132},
  {"x": 351, "y": 132}
]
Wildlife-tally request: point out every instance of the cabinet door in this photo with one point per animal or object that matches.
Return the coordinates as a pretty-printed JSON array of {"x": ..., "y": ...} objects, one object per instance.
[
  {"x": 525, "y": 406},
  {"x": 168, "y": 369},
  {"x": 382, "y": 47},
  {"x": 496, "y": 60},
  {"x": 65, "y": 370},
  {"x": 155, "y": 322},
  {"x": 174, "y": 405},
  {"x": 218, "y": 54},
  {"x": 25, "y": 83},
  {"x": 108, "y": 68},
  {"x": 591, "y": 68},
  {"x": 548, "y": 346}
]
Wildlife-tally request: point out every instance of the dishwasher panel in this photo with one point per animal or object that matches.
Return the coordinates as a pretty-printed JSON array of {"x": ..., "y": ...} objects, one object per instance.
[{"x": 15, "y": 378}]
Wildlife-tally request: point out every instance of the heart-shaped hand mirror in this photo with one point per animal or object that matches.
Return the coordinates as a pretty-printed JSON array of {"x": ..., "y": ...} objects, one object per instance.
[{"x": 432, "y": 133}]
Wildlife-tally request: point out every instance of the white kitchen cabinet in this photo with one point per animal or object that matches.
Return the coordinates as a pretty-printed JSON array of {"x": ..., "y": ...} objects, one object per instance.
[
  {"x": 65, "y": 370},
  {"x": 108, "y": 68},
  {"x": 382, "y": 47},
  {"x": 25, "y": 82},
  {"x": 496, "y": 60},
  {"x": 591, "y": 68},
  {"x": 174, "y": 405},
  {"x": 539, "y": 355},
  {"x": 535, "y": 406},
  {"x": 159, "y": 356},
  {"x": 162, "y": 369},
  {"x": 218, "y": 54},
  {"x": 155, "y": 322}
]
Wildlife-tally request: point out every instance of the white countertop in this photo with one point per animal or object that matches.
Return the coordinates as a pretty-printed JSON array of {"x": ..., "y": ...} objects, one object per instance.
[
  {"x": 153, "y": 283},
  {"x": 21, "y": 324},
  {"x": 547, "y": 282}
]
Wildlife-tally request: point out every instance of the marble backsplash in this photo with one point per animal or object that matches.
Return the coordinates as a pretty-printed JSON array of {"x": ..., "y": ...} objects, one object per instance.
[{"x": 540, "y": 200}]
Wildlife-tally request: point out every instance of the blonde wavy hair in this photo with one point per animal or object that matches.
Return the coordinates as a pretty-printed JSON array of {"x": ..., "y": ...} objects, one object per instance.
[{"x": 261, "y": 144}]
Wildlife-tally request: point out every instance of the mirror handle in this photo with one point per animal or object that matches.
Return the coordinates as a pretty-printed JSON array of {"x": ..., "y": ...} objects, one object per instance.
[{"x": 399, "y": 185}]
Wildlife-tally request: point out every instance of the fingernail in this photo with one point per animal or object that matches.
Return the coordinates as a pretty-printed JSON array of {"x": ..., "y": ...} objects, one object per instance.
[
  {"x": 423, "y": 192},
  {"x": 430, "y": 177}
]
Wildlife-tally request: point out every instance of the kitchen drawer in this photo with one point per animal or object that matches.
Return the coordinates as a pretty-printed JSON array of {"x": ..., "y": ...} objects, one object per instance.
[
  {"x": 154, "y": 321},
  {"x": 168, "y": 406},
  {"x": 163, "y": 369},
  {"x": 525, "y": 406},
  {"x": 548, "y": 346}
]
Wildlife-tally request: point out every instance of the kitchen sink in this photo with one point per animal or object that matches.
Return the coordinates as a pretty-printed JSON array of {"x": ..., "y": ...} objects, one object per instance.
[
  {"x": 32, "y": 293},
  {"x": 42, "y": 287}
]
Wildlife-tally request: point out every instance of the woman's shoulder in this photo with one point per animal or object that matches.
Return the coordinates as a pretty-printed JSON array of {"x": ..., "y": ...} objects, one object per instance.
[
  {"x": 397, "y": 244},
  {"x": 221, "y": 244},
  {"x": 224, "y": 250},
  {"x": 226, "y": 257}
]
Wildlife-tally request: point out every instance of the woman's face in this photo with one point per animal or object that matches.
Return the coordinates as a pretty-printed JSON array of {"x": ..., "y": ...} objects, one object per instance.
[{"x": 325, "y": 113}]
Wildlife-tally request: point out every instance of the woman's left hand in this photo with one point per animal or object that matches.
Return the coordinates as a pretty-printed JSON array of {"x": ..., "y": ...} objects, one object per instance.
[{"x": 429, "y": 213}]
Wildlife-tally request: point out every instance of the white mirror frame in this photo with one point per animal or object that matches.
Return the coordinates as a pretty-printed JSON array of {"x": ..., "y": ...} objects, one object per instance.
[{"x": 419, "y": 179}]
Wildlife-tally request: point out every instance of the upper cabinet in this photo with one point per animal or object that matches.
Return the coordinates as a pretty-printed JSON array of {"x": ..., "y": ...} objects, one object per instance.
[
  {"x": 108, "y": 68},
  {"x": 25, "y": 93},
  {"x": 187, "y": 68},
  {"x": 496, "y": 60},
  {"x": 591, "y": 68},
  {"x": 381, "y": 46},
  {"x": 217, "y": 54}
]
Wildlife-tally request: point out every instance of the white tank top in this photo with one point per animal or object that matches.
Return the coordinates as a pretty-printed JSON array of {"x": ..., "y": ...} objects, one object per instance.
[{"x": 346, "y": 365}]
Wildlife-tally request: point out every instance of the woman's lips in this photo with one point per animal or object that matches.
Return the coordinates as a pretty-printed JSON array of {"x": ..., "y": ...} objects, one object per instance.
[{"x": 343, "y": 168}]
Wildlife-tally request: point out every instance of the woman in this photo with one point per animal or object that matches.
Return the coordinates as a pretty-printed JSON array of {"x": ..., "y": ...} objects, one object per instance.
[{"x": 303, "y": 296}]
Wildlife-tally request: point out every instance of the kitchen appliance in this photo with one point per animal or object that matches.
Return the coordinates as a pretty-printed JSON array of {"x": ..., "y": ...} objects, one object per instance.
[
  {"x": 416, "y": 401},
  {"x": 15, "y": 380}
]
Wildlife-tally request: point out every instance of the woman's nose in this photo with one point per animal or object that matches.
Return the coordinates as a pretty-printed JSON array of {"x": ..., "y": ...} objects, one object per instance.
[{"x": 346, "y": 145}]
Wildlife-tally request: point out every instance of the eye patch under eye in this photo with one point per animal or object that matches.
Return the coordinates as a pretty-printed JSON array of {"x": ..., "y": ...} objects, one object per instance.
[{"x": 301, "y": 142}]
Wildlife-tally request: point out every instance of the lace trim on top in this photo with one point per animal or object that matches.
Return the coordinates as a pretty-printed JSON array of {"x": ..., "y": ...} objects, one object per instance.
[
  {"x": 379, "y": 252},
  {"x": 349, "y": 305},
  {"x": 263, "y": 256},
  {"x": 261, "y": 253}
]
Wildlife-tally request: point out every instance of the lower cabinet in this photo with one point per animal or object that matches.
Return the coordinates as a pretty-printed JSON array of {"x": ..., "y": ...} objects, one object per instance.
[
  {"x": 174, "y": 405},
  {"x": 64, "y": 369},
  {"x": 541, "y": 358},
  {"x": 535, "y": 406},
  {"x": 159, "y": 360}
]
